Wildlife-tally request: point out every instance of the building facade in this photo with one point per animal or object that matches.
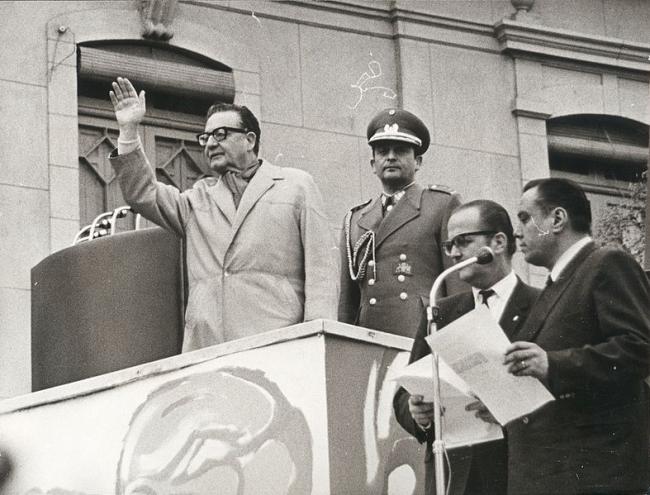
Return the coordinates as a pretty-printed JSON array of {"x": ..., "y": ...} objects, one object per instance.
[{"x": 511, "y": 90}]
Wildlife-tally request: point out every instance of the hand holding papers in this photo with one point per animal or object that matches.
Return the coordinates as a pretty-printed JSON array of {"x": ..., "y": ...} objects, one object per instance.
[
  {"x": 460, "y": 427},
  {"x": 416, "y": 378},
  {"x": 474, "y": 346}
]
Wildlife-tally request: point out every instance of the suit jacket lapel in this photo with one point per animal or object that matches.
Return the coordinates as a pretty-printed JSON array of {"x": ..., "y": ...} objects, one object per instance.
[
  {"x": 262, "y": 181},
  {"x": 515, "y": 311},
  {"x": 514, "y": 314},
  {"x": 465, "y": 305},
  {"x": 461, "y": 304},
  {"x": 371, "y": 216},
  {"x": 551, "y": 295},
  {"x": 223, "y": 197},
  {"x": 405, "y": 210}
]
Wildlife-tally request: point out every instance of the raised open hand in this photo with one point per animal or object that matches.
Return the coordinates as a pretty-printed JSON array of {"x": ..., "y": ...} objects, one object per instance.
[{"x": 129, "y": 106}]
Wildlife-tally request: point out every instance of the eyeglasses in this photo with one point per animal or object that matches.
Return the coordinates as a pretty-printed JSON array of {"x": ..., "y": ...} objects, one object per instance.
[
  {"x": 463, "y": 240},
  {"x": 219, "y": 134}
]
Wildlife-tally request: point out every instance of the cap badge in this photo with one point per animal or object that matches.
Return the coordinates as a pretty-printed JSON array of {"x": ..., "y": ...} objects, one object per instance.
[{"x": 391, "y": 129}]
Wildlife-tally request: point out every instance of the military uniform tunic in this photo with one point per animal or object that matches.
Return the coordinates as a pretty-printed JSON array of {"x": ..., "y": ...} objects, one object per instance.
[{"x": 395, "y": 257}]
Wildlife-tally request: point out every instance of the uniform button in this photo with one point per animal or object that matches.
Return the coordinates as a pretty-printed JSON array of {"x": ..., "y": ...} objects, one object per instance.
[
  {"x": 402, "y": 257},
  {"x": 389, "y": 207},
  {"x": 403, "y": 296},
  {"x": 371, "y": 263},
  {"x": 372, "y": 301},
  {"x": 525, "y": 420},
  {"x": 225, "y": 274},
  {"x": 401, "y": 278},
  {"x": 371, "y": 281}
]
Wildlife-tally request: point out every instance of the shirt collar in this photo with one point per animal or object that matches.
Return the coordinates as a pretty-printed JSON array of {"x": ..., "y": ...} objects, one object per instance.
[
  {"x": 396, "y": 195},
  {"x": 502, "y": 289},
  {"x": 567, "y": 256}
]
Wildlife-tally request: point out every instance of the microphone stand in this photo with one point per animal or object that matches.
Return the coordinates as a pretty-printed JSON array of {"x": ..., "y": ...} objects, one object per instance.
[{"x": 484, "y": 256}]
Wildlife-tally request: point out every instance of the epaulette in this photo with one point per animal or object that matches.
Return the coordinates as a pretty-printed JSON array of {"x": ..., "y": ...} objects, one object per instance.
[
  {"x": 439, "y": 188},
  {"x": 358, "y": 207}
]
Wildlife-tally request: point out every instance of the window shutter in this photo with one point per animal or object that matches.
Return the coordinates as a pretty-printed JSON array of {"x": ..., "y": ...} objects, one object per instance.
[
  {"x": 599, "y": 138},
  {"x": 165, "y": 76}
]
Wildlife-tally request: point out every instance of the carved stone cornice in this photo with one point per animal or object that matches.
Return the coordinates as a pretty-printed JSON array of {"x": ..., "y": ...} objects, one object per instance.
[
  {"x": 157, "y": 17},
  {"x": 384, "y": 20},
  {"x": 521, "y": 39},
  {"x": 531, "y": 109}
]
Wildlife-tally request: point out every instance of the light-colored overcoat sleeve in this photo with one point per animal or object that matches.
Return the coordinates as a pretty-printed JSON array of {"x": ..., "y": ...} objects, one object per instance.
[
  {"x": 160, "y": 203},
  {"x": 321, "y": 257}
]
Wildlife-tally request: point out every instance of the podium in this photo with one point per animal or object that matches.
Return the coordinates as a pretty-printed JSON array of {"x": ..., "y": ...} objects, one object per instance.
[
  {"x": 305, "y": 409},
  {"x": 105, "y": 305}
]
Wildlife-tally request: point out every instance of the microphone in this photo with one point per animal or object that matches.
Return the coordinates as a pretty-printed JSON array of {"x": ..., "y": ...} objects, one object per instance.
[
  {"x": 483, "y": 257},
  {"x": 540, "y": 232}
]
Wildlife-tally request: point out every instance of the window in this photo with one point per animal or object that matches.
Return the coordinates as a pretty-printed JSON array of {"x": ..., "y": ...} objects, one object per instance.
[
  {"x": 179, "y": 89},
  {"x": 608, "y": 156}
]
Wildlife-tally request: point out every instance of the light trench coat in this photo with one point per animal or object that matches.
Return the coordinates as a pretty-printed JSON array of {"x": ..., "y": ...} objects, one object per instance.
[{"x": 270, "y": 263}]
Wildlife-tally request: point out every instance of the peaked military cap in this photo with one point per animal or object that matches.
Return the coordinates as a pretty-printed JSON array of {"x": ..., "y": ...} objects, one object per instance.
[{"x": 395, "y": 124}]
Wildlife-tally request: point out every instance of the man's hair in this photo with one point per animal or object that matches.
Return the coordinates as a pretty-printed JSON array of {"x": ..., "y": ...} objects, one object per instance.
[
  {"x": 247, "y": 118},
  {"x": 493, "y": 216},
  {"x": 567, "y": 194}
]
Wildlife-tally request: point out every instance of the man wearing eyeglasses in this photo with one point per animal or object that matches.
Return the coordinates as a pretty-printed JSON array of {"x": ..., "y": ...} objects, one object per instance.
[
  {"x": 390, "y": 247},
  {"x": 260, "y": 254},
  {"x": 480, "y": 469}
]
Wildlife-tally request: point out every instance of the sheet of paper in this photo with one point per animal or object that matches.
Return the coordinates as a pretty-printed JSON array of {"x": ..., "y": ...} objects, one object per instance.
[
  {"x": 474, "y": 346},
  {"x": 459, "y": 427},
  {"x": 417, "y": 379}
]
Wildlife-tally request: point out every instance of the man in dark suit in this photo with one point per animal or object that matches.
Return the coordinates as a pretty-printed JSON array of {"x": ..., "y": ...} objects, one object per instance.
[
  {"x": 390, "y": 246},
  {"x": 588, "y": 339},
  {"x": 480, "y": 469}
]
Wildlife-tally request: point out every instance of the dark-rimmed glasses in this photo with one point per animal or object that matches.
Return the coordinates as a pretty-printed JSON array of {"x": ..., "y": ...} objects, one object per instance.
[
  {"x": 219, "y": 134},
  {"x": 463, "y": 240}
]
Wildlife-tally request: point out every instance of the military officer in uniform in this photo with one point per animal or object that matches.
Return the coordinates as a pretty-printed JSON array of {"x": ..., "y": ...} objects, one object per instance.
[{"x": 391, "y": 245}]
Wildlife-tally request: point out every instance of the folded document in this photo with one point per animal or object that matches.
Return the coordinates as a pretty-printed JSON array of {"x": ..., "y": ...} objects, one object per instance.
[
  {"x": 474, "y": 347},
  {"x": 471, "y": 351},
  {"x": 459, "y": 427}
]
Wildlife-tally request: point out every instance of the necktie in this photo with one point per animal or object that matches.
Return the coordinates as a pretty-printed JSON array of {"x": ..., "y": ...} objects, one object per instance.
[
  {"x": 549, "y": 281},
  {"x": 485, "y": 295},
  {"x": 388, "y": 203}
]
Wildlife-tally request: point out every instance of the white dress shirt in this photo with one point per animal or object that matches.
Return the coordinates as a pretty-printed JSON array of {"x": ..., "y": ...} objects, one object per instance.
[
  {"x": 567, "y": 256},
  {"x": 502, "y": 291}
]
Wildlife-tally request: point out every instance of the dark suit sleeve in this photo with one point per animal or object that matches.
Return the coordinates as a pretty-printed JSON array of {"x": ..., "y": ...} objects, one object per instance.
[
  {"x": 350, "y": 296},
  {"x": 622, "y": 350},
  {"x": 400, "y": 402}
]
